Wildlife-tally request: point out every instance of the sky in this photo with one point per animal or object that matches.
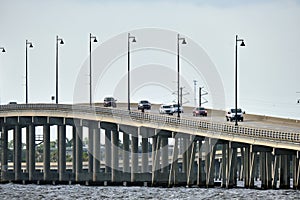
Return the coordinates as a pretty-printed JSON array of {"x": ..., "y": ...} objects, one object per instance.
[{"x": 268, "y": 66}]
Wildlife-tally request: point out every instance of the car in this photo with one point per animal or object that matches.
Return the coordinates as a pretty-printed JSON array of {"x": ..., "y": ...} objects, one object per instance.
[
  {"x": 230, "y": 115},
  {"x": 176, "y": 108},
  {"x": 166, "y": 109},
  {"x": 110, "y": 102},
  {"x": 198, "y": 111},
  {"x": 144, "y": 105}
]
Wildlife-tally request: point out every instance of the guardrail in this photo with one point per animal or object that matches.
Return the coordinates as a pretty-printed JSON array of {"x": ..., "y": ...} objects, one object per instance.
[{"x": 158, "y": 119}]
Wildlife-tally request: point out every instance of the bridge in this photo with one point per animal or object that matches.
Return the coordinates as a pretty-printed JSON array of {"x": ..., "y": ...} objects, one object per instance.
[{"x": 174, "y": 151}]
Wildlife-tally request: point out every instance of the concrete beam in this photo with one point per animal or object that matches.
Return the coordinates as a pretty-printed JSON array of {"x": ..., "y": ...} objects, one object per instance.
[
  {"x": 256, "y": 148},
  {"x": 129, "y": 130},
  {"x": 146, "y": 132},
  {"x": 284, "y": 152}
]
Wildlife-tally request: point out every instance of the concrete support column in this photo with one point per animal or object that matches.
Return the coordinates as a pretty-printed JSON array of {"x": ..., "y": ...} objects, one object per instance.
[
  {"x": 107, "y": 151},
  {"x": 190, "y": 177},
  {"x": 230, "y": 162},
  {"x": 209, "y": 162},
  {"x": 27, "y": 148},
  {"x": 164, "y": 155},
  {"x": 134, "y": 156},
  {"x": 256, "y": 166},
  {"x": 199, "y": 161},
  {"x": 90, "y": 149},
  {"x": 296, "y": 164},
  {"x": 4, "y": 155},
  {"x": 224, "y": 164},
  {"x": 269, "y": 159},
  {"x": 253, "y": 168},
  {"x": 126, "y": 153},
  {"x": 174, "y": 165},
  {"x": 61, "y": 152},
  {"x": 96, "y": 153},
  {"x": 74, "y": 137},
  {"x": 285, "y": 172},
  {"x": 154, "y": 143},
  {"x": 262, "y": 169},
  {"x": 276, "y": 172},
  {"x": 17, "y": 152},
  {"x": 115, "y": 155},
  {"x": 31, "y": 160},
  {"x": 246, "y": 165},
  {"x": 241, "y": 165},
  {"x": 145, "y": 155},
  {"x": 234, "y": 166},
  {"x": 184, "y": 154},
  {"x": 46, "y": 159},
  {"x": 155, "y": 158},
  {"x": 78, "y": 152}
]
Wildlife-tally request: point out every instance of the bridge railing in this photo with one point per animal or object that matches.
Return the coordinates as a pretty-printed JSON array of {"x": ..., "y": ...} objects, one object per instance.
[{"x": 172, "y": 121}]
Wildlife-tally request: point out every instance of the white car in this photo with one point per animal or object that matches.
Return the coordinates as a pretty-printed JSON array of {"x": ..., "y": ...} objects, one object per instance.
[
  {"x": 230, "y": 115},
  {"x": 166, "y": 109},
  {"x": 176, "y": 108}
]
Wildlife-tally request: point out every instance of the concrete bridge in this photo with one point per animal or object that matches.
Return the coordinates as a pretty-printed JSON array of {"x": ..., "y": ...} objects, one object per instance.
[{"x": 174, "y": 151}]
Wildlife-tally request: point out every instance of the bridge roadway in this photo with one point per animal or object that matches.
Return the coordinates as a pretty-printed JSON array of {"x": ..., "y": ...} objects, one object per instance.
[{"x": 266, "y": 153}]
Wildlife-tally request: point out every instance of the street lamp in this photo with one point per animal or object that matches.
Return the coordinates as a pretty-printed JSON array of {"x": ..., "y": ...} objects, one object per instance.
[
  {"x": 26, "y": 68},
  {"x": 236, "y": 49},
  {"x": 178, "y": 75},
  {"x": 95, "y": 40},
  {"x": 58, "y": 41},
  {"x": 128, "y": 72}
]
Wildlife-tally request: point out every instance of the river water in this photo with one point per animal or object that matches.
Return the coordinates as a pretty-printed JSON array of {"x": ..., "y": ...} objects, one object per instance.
[{"x": 65, "y": 192}]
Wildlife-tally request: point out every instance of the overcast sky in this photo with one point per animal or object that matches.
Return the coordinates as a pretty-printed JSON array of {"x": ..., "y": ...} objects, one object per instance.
[{"x": 269, "y": 65}]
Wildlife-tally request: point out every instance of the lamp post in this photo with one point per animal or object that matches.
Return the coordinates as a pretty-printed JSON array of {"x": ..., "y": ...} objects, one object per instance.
[
  {"x": 95, "y": 40},
  {"x": 26, "y": 68},
  {"x": 128, "y": 70},
  {"x": 178, "y": 75},
  {"x": 3, "y": 50},
  {"x": 58, "y": 41},
  {"x": 236, "y": 73}
]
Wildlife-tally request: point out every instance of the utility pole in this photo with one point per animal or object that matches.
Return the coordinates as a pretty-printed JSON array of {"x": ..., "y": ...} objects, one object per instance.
[
  {"x": 195, "y": 98},
  {"x": 180, "y": 103},
  {"x": 200, "y": 96}
]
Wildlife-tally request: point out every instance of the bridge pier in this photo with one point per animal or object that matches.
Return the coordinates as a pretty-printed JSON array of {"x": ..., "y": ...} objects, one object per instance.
[
  {"x": 61, "y": 152},
  {"x": 31, "y": 150},
  {"x": 296, "y": 164},
  {"x": 200, "y": 171},
  {"x": 74, "y": 137},
  {"x": 78, "y": 149},
  {"x": 134, "y": 154},
  {"x": 210, "y": 151},
  {"x": 90, "y": 146},
  {"x": 115, "y": 156},
  {"x": 46, "y": 158},
  {"x": 4, "y": 155},
  {"x": 17, "y": 152},
  {"x": 96, "y": 152}
]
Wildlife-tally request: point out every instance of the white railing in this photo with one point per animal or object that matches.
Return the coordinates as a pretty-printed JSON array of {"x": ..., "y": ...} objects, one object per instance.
[{"x": 172, "y": 121}]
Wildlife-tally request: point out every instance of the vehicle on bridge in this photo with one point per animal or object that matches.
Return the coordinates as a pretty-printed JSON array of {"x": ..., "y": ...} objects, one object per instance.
[
  {"x": 110, "y": 102},
  {"x": 230, "y": 115},
  {"x": 198, "y": 111},
  {"x": 144, "y": 105},
  {"x": 166, "y": 109},
  {"x": 176, "y": 108}
]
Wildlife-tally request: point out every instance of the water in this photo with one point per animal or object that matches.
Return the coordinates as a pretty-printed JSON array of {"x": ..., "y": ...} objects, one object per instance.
[{"x": 15, "y": 191}]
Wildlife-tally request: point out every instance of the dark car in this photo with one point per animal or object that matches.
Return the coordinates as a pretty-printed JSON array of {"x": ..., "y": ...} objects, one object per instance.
[
  {"x": 198, "y": 111},
  {"x": 110, "y": 102},
  {"x": 144, "y": 105}
]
